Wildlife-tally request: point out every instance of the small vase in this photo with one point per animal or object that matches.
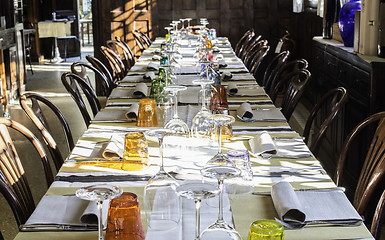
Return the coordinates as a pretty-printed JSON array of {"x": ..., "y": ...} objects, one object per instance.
[{"x": 346, "y": 21}]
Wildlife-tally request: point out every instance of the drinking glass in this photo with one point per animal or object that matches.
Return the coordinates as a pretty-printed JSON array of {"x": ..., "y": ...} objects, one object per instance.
[
  {"x": 147, "y": 116},
  {"x": 176, "y": 124},
  {"x": 189, "y": 29},
  {"x": 183, "y": 30},
  {"x": 168, "y": 36},
  {"x": 265, "y": 229},
  {"x": 99, "y": 193},
  {"x": 162, "y": 204},
  {"x": 200, "y": 126},
  {"x": 220, "y": 229},
  {"x": 135, "y": 155},
  {"x": 218, "y": 103},
  {"x": 197, "y": 190}
]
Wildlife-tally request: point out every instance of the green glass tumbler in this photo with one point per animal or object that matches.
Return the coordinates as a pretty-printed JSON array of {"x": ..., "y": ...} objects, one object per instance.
[{"x": 265, "y": 229}]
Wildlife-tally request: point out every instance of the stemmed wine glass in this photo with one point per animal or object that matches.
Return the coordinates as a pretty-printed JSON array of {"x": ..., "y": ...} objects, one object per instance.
[
  {"x": 183, "y": 30},
  {"x": 197, "y": 190},
  {"x": 168, "y": 38},
  {"x": 176, "y": 124},
  {"x": 99, "y": 193},
  {"x": 189, "y": 29},
  {"x": 162, "y": 204}
]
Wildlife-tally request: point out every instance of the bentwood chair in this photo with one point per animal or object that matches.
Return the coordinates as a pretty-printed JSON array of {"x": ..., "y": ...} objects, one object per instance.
[
  {"x": 243, "y": 40},
  {"x": 330, "y": 104},
  {"x": 146, "y": 39},
  {"x": 373, "y": 169},
  {"x": 378, "y": 218},
  {"x": 96, "y": 63},
  {"x": 117, "y": 66},
  {"x": 250, "y": 55},
  {"x": 122, "y": 52},
  {"x": 127, "y": 49},
  {"x": 273, "y": 67},
  {"x": 35, "y": 113},
  {"x": 254, "y": 40},
  {"x": 104, "y": 81},
  {"x": 296, "y": 83},
  {"x": 13, "y": 182},
  {"x": 72, "y": 83},
  {"x": 257, "y": 59},
  {"x": 140, "y": 41}
]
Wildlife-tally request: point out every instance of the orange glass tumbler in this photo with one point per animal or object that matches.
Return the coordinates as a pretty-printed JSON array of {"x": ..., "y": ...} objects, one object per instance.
[
  {"x": 124, "y": 221},
  {"x": 218, "y": 102},
  {"x": 135, "y": 155},
  {"x": 147, "y": 116}
]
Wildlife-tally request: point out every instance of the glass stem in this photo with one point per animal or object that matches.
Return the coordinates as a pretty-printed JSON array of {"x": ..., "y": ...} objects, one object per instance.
[
  {"x": 219, "y": 138},
  {"x": 176, "y": 105},
  {"x": 203, "y": 97},
  {"x": 220, "y": 186},
  {"x": 100, "y": 220},
  {"x": 197, "y": 218},
  {"x": 160, "y": 139}
]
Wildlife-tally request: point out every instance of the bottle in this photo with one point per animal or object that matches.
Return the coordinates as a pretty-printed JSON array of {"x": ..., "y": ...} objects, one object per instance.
[
  {"x": 158, "y": 84},
  {"x": 381, "y": 30},
  {"x": 331, "y": 16}
]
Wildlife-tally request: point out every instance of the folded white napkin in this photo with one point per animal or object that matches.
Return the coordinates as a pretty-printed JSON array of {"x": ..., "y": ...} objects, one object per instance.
[
  {"x": 262, "y": 143},
  {"x": 153, "y": 66},
  {"x": 115, "y": 147},
  {"x": 226, "y": 75},
  {"x": 149, "y": 75},
  {"x": 141, "y": 90},
  {"x": 298, "y": 208},
  {"x": 222, "y": 63},
  {"x": 66, "y": 210},
  {"x": 132, "y": 113},
  {"x": 156, "y": 58},
  {"x": 245, "y": 111},
  {"x": 232, "y": 88}
]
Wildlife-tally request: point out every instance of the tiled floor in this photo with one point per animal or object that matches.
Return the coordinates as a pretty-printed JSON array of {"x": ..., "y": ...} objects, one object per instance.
[{"x": 46, "y": 81}]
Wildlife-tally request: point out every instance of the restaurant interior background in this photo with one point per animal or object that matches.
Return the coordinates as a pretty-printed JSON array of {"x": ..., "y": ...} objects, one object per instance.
[{"x": 272, "y": 19}]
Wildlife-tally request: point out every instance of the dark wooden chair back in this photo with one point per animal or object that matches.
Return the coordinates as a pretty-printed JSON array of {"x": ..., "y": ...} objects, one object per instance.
[
  {"x": 96, "y": 63},
  {"x": 373, "y": 169},
  {"x": 122, "y": 52},
  {"x": 378, "y": 218},
  {"x": 71, "y": 82},
  {"x": 250, "y": 44},
  {"x": 330, "y": 104},
  {"x": 35, "y": 113},
  {"x": 127, "y": 49},
  {"x": 107, "y": 84},
  {"x": 296, "y": 83},
  {"x": 257, "y": 59},
  {"x": 117, "y": 66},
  {"x": 145, "y": 38},
  {"x": 273, "y": 66},
  {"x": 245, "y": 38},
  {"x": 253, "y": 51},
  {"x": 139, "y": 41},
  {"x": 13, "y": 182},
  {"x": 284, "y": 69}
]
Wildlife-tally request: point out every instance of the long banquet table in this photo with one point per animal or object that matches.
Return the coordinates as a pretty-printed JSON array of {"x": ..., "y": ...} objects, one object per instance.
[{"x": 185, "y": 158}]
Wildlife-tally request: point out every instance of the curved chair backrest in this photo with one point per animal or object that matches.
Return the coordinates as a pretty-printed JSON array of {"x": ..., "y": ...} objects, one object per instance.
[
  {"x": 145, "y": 37},
  {"x": 284, "y": 69},
  {"x": 286, "y": 44},
  {"x": 96, "y": 63},
  {"x": 127, "y": 49},
  {"x": 13, "y": 182},
  {"x": 139, "y": 40},
  {"x": 104, "y": 81},
  {"x": 331, "y": 103},
  {"x": 378, "y": 218},
  {"x": 122, "y": 52},
  {"x": 274, "y": 65},
  {"x": 245, "y": 38},
  {"x": 250, "y": 44},
  {"x": 373, "y": 169},
  {"x": 250, "y": 55},
  {"x": 117, "y": 66},
  {"x": 297, "y": 82},
  {"x": 258, "y": 58},
  {"x": 36, "y": 115},
  {"x": 71, "y": 82}
]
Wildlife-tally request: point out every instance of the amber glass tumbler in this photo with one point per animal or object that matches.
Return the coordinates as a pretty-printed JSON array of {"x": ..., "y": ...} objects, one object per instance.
[
  {"x": 147, "y": 116},
  {"x": 135, "y": 155}
]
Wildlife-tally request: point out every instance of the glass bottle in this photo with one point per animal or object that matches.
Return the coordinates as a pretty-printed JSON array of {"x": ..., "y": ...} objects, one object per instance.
[
  {"x": 158, "y": 84},
  {"x": 381, "y": 30}
]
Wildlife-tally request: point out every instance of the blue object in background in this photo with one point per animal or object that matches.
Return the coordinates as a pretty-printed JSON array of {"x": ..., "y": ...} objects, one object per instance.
[{"x": 346, "y": 21}]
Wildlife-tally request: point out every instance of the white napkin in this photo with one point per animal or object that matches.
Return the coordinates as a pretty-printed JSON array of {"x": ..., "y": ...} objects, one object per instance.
[
  {"x": 156, "y": 58},
  {"x": 153, "y": 66},
  {"x": 226, "y": 75},
  {"x": 115, "y": 147},
  {"x": 149, "y": 75},
  {"x": 298, "y": 208},
  {"x": 245, "y": 111},
  {"x": 262, "y": 143},
  {"x": 222, "y": 63},
  {"x": 132, "y": 113},
  {"x": 141, "y": 90},
  {"x": 232, "y": 88},
  {"x": 66, "y": 210}
]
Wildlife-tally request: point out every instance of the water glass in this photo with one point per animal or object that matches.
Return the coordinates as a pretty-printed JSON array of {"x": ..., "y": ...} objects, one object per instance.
[
  {"x": 241, "y": 158},
  {"x": 218, "y": 102},
  {"x": 265, "y": 229},
  {"x": 124, "y": 221},
  {"x": 135, "y": 155},
  {"x": 147, "y": 116}
]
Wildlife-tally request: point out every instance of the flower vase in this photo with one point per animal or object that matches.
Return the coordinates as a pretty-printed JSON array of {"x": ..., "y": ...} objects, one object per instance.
[{"x": 346, "y": 21}]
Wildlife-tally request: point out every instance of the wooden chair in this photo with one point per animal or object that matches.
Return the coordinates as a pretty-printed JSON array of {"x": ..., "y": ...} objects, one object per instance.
[
  {"x": 127, "y": 49},
  {"x": 145, "y": 38},
  {"x": 273, "y": 67},
  {"x": 117, "y": 66},
  {"x": 297, "y": 82},
  {"x": 249, "y": 45},
  {"x": 139, "y": 41},
  {"x": 250, "y": 55},
  {"x": 331, "y": 104},
  {"x": 96, "y": 63},
  {"x": 378, "y": 218},
  {"x": 259, "y": 56},
  {"x": 13, "y": 182},
  {"x": 35, "y": 113},
  {"x": 122, "y": 52},
  {"x": 105, "y": 82},
  {"x": 245, "y": 38},
  {"x": 373, "y": 169},
  {"x": 71, "y": 82},
  {"x": 280, "y": 73}
]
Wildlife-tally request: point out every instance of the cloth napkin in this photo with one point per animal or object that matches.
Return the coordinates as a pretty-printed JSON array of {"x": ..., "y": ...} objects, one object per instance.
[
  {"x": 262, "y": 143},
  {"x": 245, "y": 111},
  {"x": 153, "y": 66},
  {"x": 66, "y": 210},
  {"x": 149, "y": 75},
  {"x": 156, "y": 58},
  {"x": 226, "y": 75},
  {"x": 222, "y": 63},
  {"x": 141, "y": 90},
  {"x": 115, "y": 147},
  {"x": 299, "y": 208},
  {"x": 232, "y": 88},
  {"x": 132, "y": 113}
]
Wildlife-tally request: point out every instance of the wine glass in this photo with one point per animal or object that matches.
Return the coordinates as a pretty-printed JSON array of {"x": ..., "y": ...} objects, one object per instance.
[
  {"x": 161, "y": 203},
  {"x": 183, "y": 30},
  {"x": 168, "y": 36},
  {"x": 200, "y": 126},
  {"x": 189, "y": 29},
  {"x": 176, "y": 124},
  {"x": 197, "y": 190},
  {"x": 99, "y": 193}
]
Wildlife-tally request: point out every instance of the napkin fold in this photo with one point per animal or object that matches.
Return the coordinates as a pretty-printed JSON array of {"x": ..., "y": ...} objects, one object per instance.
[
  {"x": 140, "y": 90},
  {"x": 232, "y": 88},
  {"x": 222, "y": 63},
  {"x": 226, "y": 75},
  {"x": 132, "y": 113},
  {"x": 153, "y": 66},
  {"x": 156, "y": 57},
  {"x": 299, "y": 208},
  {"x": 262, "y": 143},
  {"x": 149, "y": 75},
  {"x": 244, "y": 111},
  {"x": 115, "y": 147}
]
